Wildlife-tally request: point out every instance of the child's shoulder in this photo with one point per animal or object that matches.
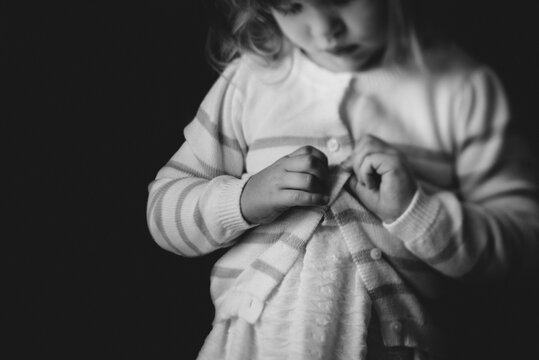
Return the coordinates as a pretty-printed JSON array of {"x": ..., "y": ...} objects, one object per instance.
[
  {"x": 250, "y": 70},
  {"x": 245, "y": 80},
  {"x": 450, "y": 69}
]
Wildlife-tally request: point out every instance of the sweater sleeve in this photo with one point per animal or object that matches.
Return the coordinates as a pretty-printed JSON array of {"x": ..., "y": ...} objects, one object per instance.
[
  {"x": 489, "y": 229},
  {"x": 193, "y": 206}
]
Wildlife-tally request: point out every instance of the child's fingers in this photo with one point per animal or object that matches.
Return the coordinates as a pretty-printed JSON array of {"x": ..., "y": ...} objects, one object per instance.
[
  {"x": 307, "y": 163},
  {"x": 302, "y": 198},
  {"x": 309, "y": 156},
  {"x": 363, "y": 148},
  {"x": 374, "y": 167},
  {"x": 359, "y": 189},
  {"x": 366, "y": 173},
  {"x": 370, "y": 145},
  {"x": 367, "y": 146},
  {"x": 309, "y": 150},
  {"x": 302, "y": 181}
]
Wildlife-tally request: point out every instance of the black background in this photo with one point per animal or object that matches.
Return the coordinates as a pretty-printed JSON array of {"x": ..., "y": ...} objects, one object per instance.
[{"x": 97, "y": 96}]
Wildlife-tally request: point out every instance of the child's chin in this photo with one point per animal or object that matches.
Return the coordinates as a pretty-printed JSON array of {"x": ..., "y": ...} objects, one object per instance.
[
  {"x": 346, "y": 65},
  {"x": 358, "y": 61}
]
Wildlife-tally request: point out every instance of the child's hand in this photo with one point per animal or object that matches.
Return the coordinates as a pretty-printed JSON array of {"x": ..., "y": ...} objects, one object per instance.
[
  {"x": 383, "y": 181},
  {"x": 297, "y": 179}
]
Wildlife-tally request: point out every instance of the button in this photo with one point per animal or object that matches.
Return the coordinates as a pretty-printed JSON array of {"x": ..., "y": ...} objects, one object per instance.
[
  {"x": 396, "y": 326},
  {"x": 333, "y": 145},
  {"x": 376, "y": 254}
]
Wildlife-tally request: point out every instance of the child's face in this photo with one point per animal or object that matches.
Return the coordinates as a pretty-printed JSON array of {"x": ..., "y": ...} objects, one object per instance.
[{"x": 340, "y": 35}]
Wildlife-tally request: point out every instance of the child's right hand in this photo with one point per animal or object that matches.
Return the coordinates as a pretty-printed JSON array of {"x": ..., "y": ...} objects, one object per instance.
[{"x": 297, "y": 179}]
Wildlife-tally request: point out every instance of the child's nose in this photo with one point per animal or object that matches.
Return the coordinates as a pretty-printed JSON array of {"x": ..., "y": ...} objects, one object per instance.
[{"x": 327, "y": 27}]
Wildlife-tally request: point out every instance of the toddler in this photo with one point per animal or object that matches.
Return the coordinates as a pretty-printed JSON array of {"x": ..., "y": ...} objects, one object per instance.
[{"x": 352, "y": 167}]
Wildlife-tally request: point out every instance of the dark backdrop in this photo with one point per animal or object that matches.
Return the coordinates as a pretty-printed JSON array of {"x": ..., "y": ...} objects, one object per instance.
[{"x": 98, "y": 95}]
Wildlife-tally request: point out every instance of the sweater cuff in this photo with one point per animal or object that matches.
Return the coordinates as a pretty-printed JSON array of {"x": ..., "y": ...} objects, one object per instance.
[
  {"x": 417, "y": 219},
  {"x": 228, "y": 206}
]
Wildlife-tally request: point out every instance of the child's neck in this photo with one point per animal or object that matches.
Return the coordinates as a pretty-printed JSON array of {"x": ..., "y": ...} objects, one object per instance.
[{"x": 374, "y": 61}]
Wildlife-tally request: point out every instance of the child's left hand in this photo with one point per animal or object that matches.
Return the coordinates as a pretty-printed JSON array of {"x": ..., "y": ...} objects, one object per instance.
[{"x": 383, "y": 180}]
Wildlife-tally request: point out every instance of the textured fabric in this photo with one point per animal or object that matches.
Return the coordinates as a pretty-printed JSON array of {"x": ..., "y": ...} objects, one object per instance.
[
  {"x": 474, "y": 217},
  {"x": 361, "y": 279},
  {"x": 322, "y": 326}
]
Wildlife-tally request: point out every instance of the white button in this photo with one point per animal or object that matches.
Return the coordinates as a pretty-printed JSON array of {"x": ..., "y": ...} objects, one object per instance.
[
  {"x": 376, "y": 254},
  {"x": 396, "y": 326},
  {"x": 333, "y": 145}
]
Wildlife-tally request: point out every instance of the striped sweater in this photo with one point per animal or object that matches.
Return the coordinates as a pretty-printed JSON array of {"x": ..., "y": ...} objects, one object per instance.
[{"x": 474, "y": 216}]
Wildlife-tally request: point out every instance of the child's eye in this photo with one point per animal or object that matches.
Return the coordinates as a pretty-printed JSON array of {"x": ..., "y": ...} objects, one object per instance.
[{"x": 290, "y": 9}]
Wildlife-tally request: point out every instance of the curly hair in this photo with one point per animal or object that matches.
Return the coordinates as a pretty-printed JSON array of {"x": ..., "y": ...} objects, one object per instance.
[
  {"x": 243, "y": 26},
  {"x": 248, "y": 27}
]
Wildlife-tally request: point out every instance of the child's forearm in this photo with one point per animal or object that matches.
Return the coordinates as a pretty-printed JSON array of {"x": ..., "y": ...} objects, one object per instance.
[
  {"x": 194, "y": 203},
  {"x": 490, "y": 229},
  {"x": 190, "y": 213},
  {"x": 470, "y": 241}
]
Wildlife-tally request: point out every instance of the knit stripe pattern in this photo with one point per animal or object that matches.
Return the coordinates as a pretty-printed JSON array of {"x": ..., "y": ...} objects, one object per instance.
[{"x": 399, "y": 310}]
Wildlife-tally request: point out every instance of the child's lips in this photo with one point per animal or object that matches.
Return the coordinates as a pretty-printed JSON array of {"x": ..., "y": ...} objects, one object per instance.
[{"x": 343, "y": 50}]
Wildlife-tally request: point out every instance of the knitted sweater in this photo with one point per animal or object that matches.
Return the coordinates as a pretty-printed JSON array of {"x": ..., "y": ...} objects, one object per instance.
[{"x": 474, "y": 216}]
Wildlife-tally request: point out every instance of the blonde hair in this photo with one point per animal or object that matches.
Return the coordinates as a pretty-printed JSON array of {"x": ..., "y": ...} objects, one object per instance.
[{"x": 248, "y": 27}]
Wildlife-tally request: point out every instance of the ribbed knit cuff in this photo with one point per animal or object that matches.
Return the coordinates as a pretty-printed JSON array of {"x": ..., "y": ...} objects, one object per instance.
[
  {"x": 417, "y": 219},
  {"x": 228, "y": 205}
]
